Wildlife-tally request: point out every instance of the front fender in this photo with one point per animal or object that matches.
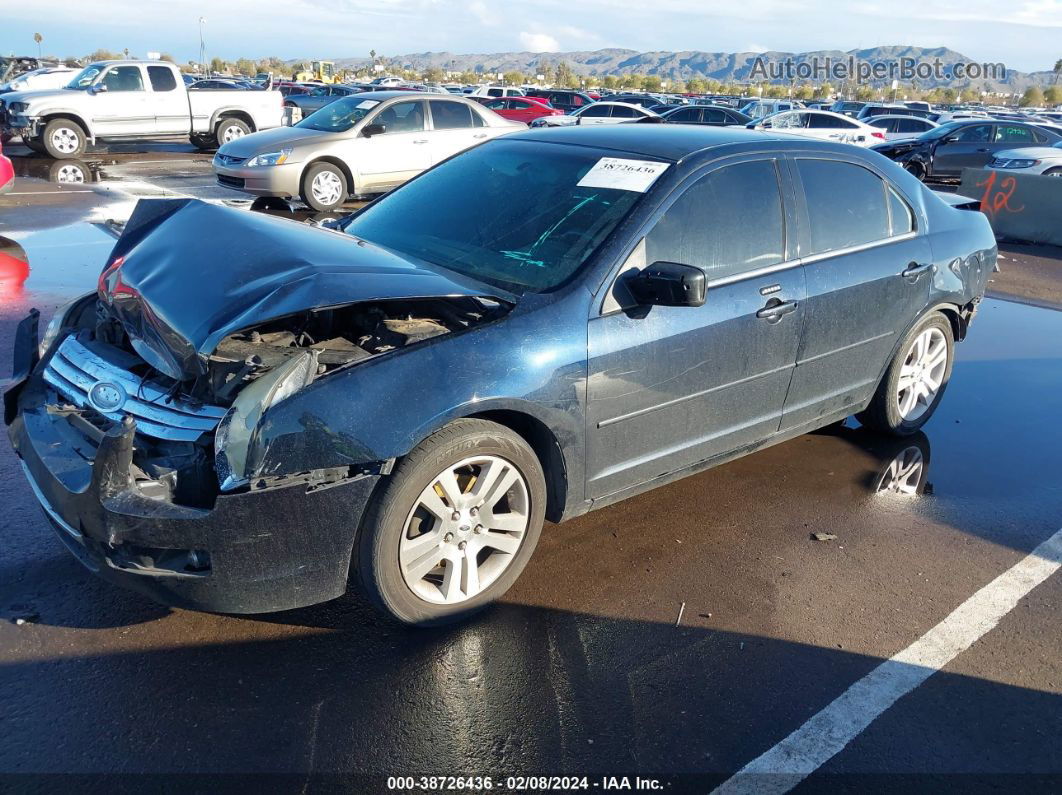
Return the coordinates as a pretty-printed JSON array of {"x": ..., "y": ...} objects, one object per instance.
[
  {"x": 533, "y": 363},
  {"x": 47, "y": 114}
]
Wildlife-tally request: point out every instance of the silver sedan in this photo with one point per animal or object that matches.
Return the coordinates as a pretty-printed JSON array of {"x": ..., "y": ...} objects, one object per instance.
[
  {"x": 1043, "y": 160},
  {"x": 356, "y": 146}
]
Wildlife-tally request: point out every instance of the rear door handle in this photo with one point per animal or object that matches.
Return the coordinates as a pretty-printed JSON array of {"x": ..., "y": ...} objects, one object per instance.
[
  {"x": 914, "y": 270},
  {"x": 421, "y": 141},
  {"x": 480, "y": 135},
  {"x": 776, "y": 310}
]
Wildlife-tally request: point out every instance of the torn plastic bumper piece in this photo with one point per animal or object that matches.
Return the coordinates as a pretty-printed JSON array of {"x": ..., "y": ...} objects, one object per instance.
[{"x": 271, "y": 548}]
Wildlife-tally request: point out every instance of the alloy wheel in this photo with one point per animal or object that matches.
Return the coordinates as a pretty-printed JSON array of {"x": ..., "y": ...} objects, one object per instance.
[
  {"x": 465, "y": 529},
  {"x": 65, "y": 140},
  {"x": 922, "y": 374},
  {"x": 70, "y": 174},
  {"x": 232, "y": 132}
]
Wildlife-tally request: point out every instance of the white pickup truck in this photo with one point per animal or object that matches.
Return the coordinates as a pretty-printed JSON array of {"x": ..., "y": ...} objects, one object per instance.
[{"x": 129, "y": 100}]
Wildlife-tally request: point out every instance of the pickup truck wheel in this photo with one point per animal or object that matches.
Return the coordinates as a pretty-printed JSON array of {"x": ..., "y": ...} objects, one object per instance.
[
  {"x": 229, "y": 130},
  {"x": 455, "y": 525},
  {"x": 324, "y": 187},
  {"x": 915, "y": 381},
  {"x": 64, "y": 139}
]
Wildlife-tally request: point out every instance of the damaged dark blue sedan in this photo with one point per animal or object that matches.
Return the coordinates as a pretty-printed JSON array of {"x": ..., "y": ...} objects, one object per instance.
[{"x": 249, "y": 410}]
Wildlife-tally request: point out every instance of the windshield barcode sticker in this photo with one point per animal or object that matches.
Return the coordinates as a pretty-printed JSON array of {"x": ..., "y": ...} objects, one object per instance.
[
  {"x": 368, "y": 103},
  {"x": 621, "y": 174}
]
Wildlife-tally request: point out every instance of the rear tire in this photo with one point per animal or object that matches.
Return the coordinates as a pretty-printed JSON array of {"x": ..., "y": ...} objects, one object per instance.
[
  {"x": 917, "y": 170},
  {"x": 915, "y": 381},
  {"x": 229, "y": 130},
  {"x": 204, "y": 143},
  {"x": 324, "y": 187},
  {"x": 64, "y": 139},
  {"x": 460, "y": 564}
]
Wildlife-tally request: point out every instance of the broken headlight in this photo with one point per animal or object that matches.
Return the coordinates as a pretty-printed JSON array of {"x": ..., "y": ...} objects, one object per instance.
[
  {"x": 59, "y": 321},
  {"x": 237, "y": 430}
]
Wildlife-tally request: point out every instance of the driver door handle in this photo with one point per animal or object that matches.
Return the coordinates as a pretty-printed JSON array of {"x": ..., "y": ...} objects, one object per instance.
[
  {"x": 480, "y": 135},
  {"x": 914, "y": 270},
  {"x": 421, "y": 141}
]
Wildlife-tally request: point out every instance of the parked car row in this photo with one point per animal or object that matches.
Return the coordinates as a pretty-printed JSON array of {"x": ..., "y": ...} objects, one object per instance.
[{"x": 943, "y": 152}]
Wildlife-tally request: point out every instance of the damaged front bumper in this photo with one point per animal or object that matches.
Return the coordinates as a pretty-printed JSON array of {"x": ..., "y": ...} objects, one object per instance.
[{"x": 285, "y": 542}]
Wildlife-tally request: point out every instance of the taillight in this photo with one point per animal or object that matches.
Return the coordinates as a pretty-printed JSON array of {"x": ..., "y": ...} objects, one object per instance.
[{"x": 880, "y": 135}]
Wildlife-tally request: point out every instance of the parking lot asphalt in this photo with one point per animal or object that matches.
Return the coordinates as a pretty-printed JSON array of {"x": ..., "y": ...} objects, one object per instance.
[{"x": 685, "y": 632}]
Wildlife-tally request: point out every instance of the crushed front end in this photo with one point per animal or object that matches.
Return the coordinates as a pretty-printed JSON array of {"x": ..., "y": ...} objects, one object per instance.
[{"x": 124, "y": 471}]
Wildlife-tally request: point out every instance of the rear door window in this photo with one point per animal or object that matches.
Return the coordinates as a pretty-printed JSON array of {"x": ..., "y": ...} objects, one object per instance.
[
  {"x": 708, "y": 225},
  {"x": 623, "y": 112},
  {"x": 846, "y": 204},
  {"x": 450, "y": 115},
  {"x": 161, "y": 78}
]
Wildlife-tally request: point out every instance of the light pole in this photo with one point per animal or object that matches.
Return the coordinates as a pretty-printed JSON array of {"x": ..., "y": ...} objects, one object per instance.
[{"x": 202, "y": 47}]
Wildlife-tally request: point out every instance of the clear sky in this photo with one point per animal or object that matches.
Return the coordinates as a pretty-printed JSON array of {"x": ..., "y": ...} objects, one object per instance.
[{"x": 1023, "y": 34}]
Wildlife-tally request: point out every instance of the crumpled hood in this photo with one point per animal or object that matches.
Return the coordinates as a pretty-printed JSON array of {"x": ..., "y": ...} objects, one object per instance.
[{"x": 185, "y": 274}]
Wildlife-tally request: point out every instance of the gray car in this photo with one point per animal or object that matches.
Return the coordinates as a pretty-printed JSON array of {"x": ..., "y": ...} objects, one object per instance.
[
  {"x": 357, "y": 146},
  {"x": 319, "y": 97}
]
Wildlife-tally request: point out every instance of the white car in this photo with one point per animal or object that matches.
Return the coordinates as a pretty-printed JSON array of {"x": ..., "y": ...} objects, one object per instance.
[
  {"x": 759, "y": 108},
  {"x": 495, "y": 91},
  {"x": 899, "y": 127},
  {"x": 1043, "y": 160},
  {"x": 599, "y": 113},
  {"x": 822, "y": 124},
  {"x": 43, "y": 79}
]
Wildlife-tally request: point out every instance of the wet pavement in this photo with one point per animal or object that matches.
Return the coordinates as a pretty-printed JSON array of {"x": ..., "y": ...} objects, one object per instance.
[{"x": 584, "y": 669}]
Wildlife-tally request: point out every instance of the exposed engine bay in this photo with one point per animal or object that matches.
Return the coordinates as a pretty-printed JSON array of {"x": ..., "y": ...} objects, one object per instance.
[{"x": 341, "y": 336}]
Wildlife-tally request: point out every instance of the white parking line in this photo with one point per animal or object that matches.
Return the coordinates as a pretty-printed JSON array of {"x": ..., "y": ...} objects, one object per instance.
[
  {"x": 46, "y": 192},
  {"x": 827, "y": 733}
]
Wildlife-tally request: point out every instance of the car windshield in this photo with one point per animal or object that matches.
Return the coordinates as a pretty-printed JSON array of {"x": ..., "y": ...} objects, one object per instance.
[
  {"x": 524, "y": 221},
  {"x": 339, "y": 116},
  {"x": 940, "y": 132},
  {"x": 86, "y": 77}
]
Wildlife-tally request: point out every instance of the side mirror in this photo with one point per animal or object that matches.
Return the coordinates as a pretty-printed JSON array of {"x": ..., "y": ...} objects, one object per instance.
[
  {"x": 373, "y": 129},
  {"x": 950, "y": 139},
  {"x": 668, "y": 284},
  {"x": 99, "y": 88},
  {"x": 766, "y": 125}
]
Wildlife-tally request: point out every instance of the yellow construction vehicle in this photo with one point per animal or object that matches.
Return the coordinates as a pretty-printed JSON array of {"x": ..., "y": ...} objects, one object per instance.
[{"x": 321, "y": 71}]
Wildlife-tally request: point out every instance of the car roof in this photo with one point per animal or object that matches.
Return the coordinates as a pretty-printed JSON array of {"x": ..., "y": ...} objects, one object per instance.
[
  {"x": 383, "y": 96},
  {"x": 660, "y": 141}
]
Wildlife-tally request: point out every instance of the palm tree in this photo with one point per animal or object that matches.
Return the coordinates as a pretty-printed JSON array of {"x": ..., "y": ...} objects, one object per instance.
[
  {"x": 37, "y": 37},
  {"x": 1058, "y": 70}
]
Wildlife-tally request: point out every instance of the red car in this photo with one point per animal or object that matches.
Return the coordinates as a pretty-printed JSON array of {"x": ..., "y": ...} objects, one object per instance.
[
  {"x": 523, "y": 109},
  {"x": 7, "y": 172}
]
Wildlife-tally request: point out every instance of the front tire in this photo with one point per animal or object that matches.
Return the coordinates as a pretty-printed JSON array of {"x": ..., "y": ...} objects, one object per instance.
[
  {"x": 324, "y": 187},
  {"x": 455, "y": 526},
  {"x": 917, "y": 170},
  {"x": 915, "y": 381},
  {"x": 64, "y": 139}
]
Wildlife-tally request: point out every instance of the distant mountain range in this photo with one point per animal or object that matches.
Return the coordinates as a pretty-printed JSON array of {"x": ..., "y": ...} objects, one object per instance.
[{"x": 722, "y": 66}]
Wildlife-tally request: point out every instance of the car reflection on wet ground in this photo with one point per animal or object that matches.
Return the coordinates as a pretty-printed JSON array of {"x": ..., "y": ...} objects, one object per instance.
[{"x": 584, "y": 668}]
